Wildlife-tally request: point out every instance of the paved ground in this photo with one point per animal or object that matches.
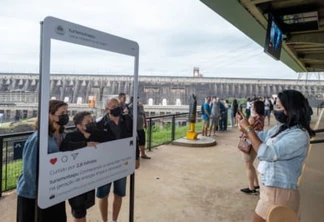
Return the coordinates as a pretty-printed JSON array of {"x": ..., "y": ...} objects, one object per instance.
[
  {"x": 312, "y": 182},
  {"x": 182, "y": 184}
]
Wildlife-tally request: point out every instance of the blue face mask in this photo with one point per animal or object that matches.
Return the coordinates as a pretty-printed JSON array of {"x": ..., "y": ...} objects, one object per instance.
[
  {"x": 116, "y": 112},
  {"x": 280, "y": 116}
]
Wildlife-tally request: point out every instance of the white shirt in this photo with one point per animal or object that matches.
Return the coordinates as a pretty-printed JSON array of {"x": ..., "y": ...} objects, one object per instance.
[
  {"x": 248, "y": 105},
  {"x": 267, "y": 104}
]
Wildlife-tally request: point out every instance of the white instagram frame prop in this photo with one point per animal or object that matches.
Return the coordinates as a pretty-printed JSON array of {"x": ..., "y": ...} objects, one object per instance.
[{"x": 63, "y": 175}]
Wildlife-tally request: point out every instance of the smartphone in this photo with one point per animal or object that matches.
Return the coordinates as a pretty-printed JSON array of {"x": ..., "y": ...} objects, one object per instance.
[{"x": 240, "y": 114}]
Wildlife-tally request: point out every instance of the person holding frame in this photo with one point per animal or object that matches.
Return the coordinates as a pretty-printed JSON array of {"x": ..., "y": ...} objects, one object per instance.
[
  {"x": 27, "y": 183},
  {"x": 86, "y": 134},
  {"x": 121, "y": 126}
]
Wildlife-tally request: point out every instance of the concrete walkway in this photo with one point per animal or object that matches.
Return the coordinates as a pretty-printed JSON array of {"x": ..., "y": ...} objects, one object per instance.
[
  {"x": 312, "y": 182},
  {"x": 182, "y": 184}
]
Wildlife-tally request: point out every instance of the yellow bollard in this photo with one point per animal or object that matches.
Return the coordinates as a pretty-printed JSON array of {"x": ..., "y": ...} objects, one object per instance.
[{"x": 191, "y": 134}]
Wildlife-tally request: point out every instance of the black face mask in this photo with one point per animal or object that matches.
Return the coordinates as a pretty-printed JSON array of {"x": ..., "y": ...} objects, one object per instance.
[
  {"x": 90, "y": 127},
  {"x": 280, "y": 116},
  {"x": 63, "y": 119},
  {"x": 116, "y": 112}
]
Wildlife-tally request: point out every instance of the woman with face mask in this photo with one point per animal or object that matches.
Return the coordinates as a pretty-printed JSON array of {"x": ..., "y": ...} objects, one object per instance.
[
  {"x": 26, "y": 186},
  {"x": 282, "y": 151}
]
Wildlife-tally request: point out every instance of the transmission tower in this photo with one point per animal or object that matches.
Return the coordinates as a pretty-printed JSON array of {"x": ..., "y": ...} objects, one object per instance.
[{"x": 196, "y": 72}]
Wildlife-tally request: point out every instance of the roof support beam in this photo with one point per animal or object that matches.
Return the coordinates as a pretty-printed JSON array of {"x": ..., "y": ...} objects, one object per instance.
[
  {"x": 314, "y": 56},
  {"x": 308, "y": 46},
  {"x": 310, "y": 50},
  {"x": 306, "y": 38},
  {"x": 234, "y": 12},
  {"x": 260, "y": 1},
  {"x": 315, "y": 67},
  {"x": 313, "y": 61}
]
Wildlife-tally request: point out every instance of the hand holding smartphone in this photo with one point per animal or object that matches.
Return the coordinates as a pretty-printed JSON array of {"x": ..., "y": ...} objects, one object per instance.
[
  {"x": 243, "y": 123},
  {"x": 241, "y": 115}
]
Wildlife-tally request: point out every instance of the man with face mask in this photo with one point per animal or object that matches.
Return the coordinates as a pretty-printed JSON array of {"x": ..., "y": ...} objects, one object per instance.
[
  {"x": 86, "y": 134},
  {"x": 121, "y": 126}
]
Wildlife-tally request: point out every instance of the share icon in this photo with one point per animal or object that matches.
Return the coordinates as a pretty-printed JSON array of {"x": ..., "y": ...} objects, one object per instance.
[{"x": 74, "y": 155}]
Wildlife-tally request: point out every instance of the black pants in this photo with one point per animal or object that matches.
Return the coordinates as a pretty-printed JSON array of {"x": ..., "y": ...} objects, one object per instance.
[
  {"x": 26, "y": 211},
  {"x": 248, "y": 113},
  {"x": 223, "y": 122},
  {"x": 81, "y": 203}
]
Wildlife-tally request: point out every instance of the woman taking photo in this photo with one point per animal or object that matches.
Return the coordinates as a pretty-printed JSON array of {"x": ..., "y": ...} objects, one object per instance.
[
  {"x": 282, "y": 151},
  {"x": 26, "y": 186},
  {"x": 257, "y": 122}
]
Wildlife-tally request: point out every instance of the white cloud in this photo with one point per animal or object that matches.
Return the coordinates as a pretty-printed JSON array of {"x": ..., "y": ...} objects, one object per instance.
[{"x": 174, "y": 36}]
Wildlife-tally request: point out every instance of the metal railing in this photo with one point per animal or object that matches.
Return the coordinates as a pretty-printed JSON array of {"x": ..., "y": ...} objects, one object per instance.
[
  {"x": 11, "y": 146},
  {"x": 10, "y": 158},
  {"x": 320, "y": 140},
  {"x": 166, "y": 128},
  {"x": 161, "y": 130}
]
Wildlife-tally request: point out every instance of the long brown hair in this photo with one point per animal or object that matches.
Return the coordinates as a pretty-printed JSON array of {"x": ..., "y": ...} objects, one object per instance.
[{"x": 54, "y": 105}]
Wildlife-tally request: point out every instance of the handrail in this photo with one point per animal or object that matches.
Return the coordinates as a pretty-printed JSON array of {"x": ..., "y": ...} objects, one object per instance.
[
  {"x": 150, "y": 125},
  {"x": 319, "y": 140},
  {"x": 319, "y": 131},
  {"x": 8, "y": 135},
  {"x": 168, "y": 115},
  {"x": 5, "y": 139},
  {"x": 316, "y": 141}
]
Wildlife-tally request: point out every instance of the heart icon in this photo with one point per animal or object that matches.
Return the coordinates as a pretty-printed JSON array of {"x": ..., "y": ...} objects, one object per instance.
[{"x": 53, "y": 160}]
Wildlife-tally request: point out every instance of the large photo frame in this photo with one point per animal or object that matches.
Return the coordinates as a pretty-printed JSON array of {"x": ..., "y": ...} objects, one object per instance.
[{"x": 63, "y": 175}]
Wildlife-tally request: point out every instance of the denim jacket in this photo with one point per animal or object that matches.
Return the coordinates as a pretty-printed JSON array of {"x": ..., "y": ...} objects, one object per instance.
[
  {"x": 26, "y": 186},
  {"x": 281, "y": 158}
]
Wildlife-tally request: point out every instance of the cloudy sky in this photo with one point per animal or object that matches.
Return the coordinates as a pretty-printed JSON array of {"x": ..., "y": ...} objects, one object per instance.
[{"x": 174, "y": 36}]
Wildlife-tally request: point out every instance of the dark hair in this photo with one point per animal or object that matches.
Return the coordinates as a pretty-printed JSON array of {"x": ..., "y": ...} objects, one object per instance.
[
  {"x": 259, "y": 107},
  {"x": 297, "y": 110},
  {"x": 121, "y": 95},
  {"x": 54, "y": 105},
  {"x": 78, "y": 118},
  {"x": 234, "y": 102}
]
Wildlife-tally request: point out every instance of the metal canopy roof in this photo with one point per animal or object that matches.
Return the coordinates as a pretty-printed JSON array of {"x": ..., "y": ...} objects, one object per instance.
[{"x": 302, "y": 22}]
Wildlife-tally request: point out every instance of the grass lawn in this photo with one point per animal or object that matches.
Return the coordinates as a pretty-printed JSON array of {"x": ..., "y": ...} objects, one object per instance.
[
  {"x": 162, "y": 136},
  {"x": 30, "y": 121},
  {"x": 12, "y": 173}
]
